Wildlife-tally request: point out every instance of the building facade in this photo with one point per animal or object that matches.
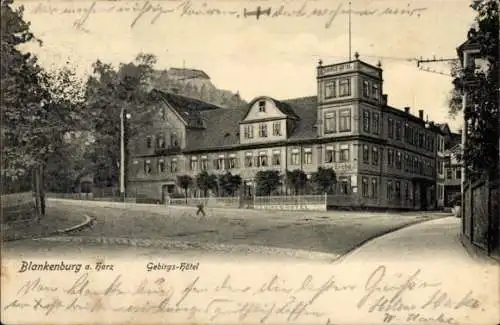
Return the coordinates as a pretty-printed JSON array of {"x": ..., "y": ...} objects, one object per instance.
[{"x": 382, "y": 156}]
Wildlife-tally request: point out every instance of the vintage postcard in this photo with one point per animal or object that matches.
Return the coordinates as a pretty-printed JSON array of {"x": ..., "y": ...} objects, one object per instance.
[{"x": 250, "y": 162}]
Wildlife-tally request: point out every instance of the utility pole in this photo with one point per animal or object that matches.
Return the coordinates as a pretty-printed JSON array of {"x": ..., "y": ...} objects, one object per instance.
[{"x": 122, "y": 155}]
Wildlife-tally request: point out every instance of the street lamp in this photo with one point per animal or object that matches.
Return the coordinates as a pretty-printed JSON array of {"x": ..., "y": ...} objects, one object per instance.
[{"x": 123, "y": 116}]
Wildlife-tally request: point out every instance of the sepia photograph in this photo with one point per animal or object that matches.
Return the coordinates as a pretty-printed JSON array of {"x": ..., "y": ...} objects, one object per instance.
[{"x": 250, "y": 162}]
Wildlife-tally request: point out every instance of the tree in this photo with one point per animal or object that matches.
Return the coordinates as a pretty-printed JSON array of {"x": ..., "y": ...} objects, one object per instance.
[
  {"x": 108, "y": 91},
  {"x": 185, "y": 182},
  {"x": 296, "y": 179},
  {"x": 229, "y": 183},
  {"x": 324, "y": 179},
  {"x": 481, "y": 151},
  {"x": 38, "y": 107},
  {"x": 205, "y": 182},
  {"x": 267, "y": 181}
]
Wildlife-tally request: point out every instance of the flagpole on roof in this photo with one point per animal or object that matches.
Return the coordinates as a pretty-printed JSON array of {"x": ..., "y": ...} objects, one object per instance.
[{"x": 349, "y": 30}]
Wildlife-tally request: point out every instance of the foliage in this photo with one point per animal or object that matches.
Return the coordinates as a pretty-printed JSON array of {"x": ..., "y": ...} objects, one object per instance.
[
  {"x": 296, "y": 179},
  {"x": 229, "y": 183},
  {"x": 481, "y": 114},
  {"x": 108, "y": 92},
  {"x": 205, "y": 182},
  {"x": 267, "y": 181},
  {"x": 324, "y": 179},
  {"x": 38, "y": 107},
  {"x": 185, "y": 182}
]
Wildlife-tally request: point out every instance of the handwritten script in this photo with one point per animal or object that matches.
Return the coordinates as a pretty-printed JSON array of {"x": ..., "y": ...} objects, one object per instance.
[
  {"x": 150, "y": 11},
  {"x": 390, "y": 297}
]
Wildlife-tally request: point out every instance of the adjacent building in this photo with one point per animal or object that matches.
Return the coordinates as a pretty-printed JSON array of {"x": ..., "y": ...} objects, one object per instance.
[
  {"x": 382, "y": 156},
  {"x": 449, "y": 166}
]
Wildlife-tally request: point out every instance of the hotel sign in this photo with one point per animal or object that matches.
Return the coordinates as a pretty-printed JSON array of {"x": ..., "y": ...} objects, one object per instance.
[{"x": 335, "y": 69}]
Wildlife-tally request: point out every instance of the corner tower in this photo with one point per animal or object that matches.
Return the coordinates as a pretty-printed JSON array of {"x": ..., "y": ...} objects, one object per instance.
[{"x": 343, "y": 90}]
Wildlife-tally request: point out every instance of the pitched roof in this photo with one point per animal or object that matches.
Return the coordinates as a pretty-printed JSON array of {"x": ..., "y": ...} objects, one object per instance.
[
  {"x": 187, "y": 107},
  {"x": 222, "y": 125},
  {"x": 306, "y": 110},
  {"x": 221, "y": 129}
]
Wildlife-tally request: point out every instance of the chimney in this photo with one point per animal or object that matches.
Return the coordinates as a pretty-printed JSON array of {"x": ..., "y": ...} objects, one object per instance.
[
  {"x": 384, "y": 99},
  {"x": 421, "y": 114},
  {"x": 407, "y": 110}
]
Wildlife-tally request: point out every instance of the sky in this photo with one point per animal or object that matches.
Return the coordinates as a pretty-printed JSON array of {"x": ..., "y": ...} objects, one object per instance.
[{"x": 274, "y": 55}]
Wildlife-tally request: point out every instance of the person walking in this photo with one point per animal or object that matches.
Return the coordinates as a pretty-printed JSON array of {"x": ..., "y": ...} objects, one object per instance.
[{"x": 200, "y": 209}]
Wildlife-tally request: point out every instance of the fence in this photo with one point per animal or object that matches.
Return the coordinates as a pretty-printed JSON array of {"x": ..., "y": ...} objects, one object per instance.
[
  {"x": 480, "y": 214},
  {"x": 17, "y": 207},
  {"x": 298, "y": 202},
  {"x": 222, "y": 202},
  {"x": 88, "y": 196}
]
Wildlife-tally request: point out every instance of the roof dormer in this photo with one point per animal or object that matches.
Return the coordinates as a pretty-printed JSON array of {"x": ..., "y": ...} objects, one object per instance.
[{"x": 263, "y": 108}]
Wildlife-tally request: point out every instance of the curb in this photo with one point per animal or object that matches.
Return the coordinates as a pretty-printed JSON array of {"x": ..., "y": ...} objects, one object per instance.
[
  {"x": 86, "y": 223},
  {"x": 387, "y": 232}
]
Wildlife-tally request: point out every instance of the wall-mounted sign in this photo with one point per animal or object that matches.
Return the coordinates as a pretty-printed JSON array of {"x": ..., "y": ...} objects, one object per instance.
[{"x": 335, "y": 69}]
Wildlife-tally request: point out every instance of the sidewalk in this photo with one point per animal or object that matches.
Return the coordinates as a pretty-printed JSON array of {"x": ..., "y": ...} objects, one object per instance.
[
  {"x": 435, "y": 240},
  {"x": 51, "y": 223}
]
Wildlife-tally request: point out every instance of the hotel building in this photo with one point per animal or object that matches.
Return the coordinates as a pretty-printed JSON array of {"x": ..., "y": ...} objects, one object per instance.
[{"x": 382, "y": 156}]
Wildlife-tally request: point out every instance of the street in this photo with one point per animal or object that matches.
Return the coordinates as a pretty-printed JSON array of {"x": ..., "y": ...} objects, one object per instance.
[{"x": 129, "y": 229}]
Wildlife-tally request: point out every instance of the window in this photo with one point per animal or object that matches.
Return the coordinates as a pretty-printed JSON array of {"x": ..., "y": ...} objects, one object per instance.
[
  {"x": 399, "y": 163},
  {"x": 375, "y": 123},
  {"x": 449, "y": 173},
  {"x": 440, "y": 167},
  {"x": 374, "y": 188},
  {"x": 366, "y": 121},
  {"x": 262, "y": 106},
  {"x": 219, "y": 163},
  {"x": 276, "y": 158},
  {"x": 147, "y": 167},
  {"x": 248, "y": 160},
  {"x": 173, "y": 166},
  {"x": 163, "y": 113},
  {"x": 375, "y": 156},
  {"x": 231, "y": 162},
  {"x": 366, "y": 89},
  {"x": 344, "y": 153},
  {"x": 204, "y": 163},
  {"x": 345, "y": 120},
  {"x": 136, "y": 170},
  {"x": 307, "y": 156},
  {"x": 193, "y": 163},
  {"x": 277, "y": 128},
  {"x": 344, "y": 185},
  {"x": 366, "y": 154},
  {"x": 262, "y": 160},
  {"x": 407, "y": 163},
  {"x": 149, "y": 142},
  {"x": 415, "y": 165},
  {"x": 390, "y": 157},
  {"x": 330, "y": 90},
  {"x": 420, "y": 139},
  {"x": 295, "y": 157},
  {"x": 330, "y": 122},
  {"x": 398, "y": 189},
  {"x": 329, "y": 155},
  {"x": 415, "y": 137},
  {"x": 248, "y": 131},
  {"x": 398, "y": 130},
  {"x": 364, "y": 187},
  {"x": 160, "y": 141},
  {"x": 161, "y": 166},
  {"x": 458, "y": 173},
  {"x": 389, "y": 190},
  {"x": 375, "y": 91},
  {"x": 407, "y": 191},
  {"x": 263, "y": 130},
  {"x": 390, "y": 128},
  {"x": 174, "y": 141},
  {"x": 345, "y": 87}
]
